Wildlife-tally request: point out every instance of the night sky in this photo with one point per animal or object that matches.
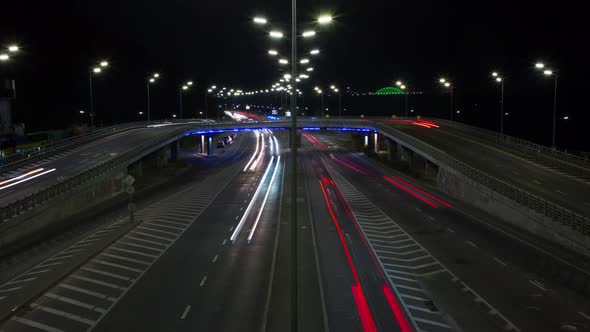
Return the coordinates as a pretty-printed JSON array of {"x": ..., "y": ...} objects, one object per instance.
[{"x": 370, "y": 45}]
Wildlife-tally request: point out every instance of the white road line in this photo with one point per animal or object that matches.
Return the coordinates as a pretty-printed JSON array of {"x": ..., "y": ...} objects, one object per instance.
[
  {"x": 561, "y": 192},
  {"x": 154, "y": 236},
  {"x": 34, "y": 324},
  {"x": 134, "y": 252},
  {"x": 186, "y": 310},
  {"x": 58, "y": 257},
  {"x": 127, "y": 259},
  {"x": 499, "y": 261},
  {"x": 49, "y": 264},
  {"x": 430, "y": 322},
  {"x": 98, "y": 282},
  {"x": 6, "y": 290},
  {"x": 37, "y": 272},
  {"x": 165, "y": 226},
  {"x": 231, "y": 228},
  {"x": 237, "y": 217},
  {"x": 123, "y": 267},
  {"x": 471, "y": 244},
  {"x": 224, "y": 241},
  {"x": 215, "y": 258},
  {"x": 62, "y": 313},
  {"x": 450, "y": 230},
  {"x": 203, "y": 281},
  {"x": 537, "y": 182},
  {"x": 20, "y": 280},
  {"x": 108, "y": 274},
  {"x": 75, "y": 302},
  {"x": 584, "y": 315},
  {"x": 139, "y": 246},
  {"x": 157, "y": 230},
  {"x": 538, "y": 285},
  {"x": 146, "y": 241},
  {"x": 87, "y": 292}
]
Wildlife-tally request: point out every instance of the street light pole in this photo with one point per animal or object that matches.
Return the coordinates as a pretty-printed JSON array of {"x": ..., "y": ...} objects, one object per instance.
[
  {"x": 148, "y": 101},
  {"x": 502, "y": 107},
  {"x": 554, "y": 109},
  {"x": 406, "y": 93},
  {"x": 180, "y": 101},
  {"x": 452, "y": 88},
  {"x": 294, "y": 278},
  {"x": 91, "y": 101}
]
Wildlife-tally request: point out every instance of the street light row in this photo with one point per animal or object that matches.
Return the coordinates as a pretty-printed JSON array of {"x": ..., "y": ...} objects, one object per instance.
[{"x": 5, "y": 55}]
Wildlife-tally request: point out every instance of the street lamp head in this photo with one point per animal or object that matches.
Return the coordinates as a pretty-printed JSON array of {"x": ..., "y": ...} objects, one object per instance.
[
  {"x": 309, "y": 69},
  {"x": 189, "y": 83},
  {"x": 314, "y": 51},
  {"x": 442, "y": 80},
  {"x": 13, "y": 48},
  {"x": 325, "y": 19},
  {"x": 494, "y": 74},
  {"x": 308, "y": 34},
  {"x": 398, "y": 83},
  {"x": 539, "y": 65},
  {"x": 4, "y": 57},
  {"x": 275, "y": 34},
  {"x": 260, "y": 20},
  {"x": 548, "y": 72},
  {"x": 97, "y": 70},
  {"x": 403, "y": 87},
  {"x": 213, "y": 87},
  {"x": 140, "y": 113},
  {"x": 283, "y": 61},
  {"x": 273, "y": 52},
  {"x": 104, "y": 64},
  {"x": 184, "y": 87},
  {"x": 82, "y": 112},
  {"x": 304, "y": 61},
  {"x": 332, "y": 87},
  {"x": 209, "y": 90},
  {"x": 287, "y": 76},
  {"x": 498, "y": 79},
  {"x": 447, "y": 84},
  {"x": 156, "y": 75},
  {"x": 152, "y": 80}
]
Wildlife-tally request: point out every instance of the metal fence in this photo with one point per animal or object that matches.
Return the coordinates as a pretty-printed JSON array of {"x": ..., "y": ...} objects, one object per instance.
[{"x": 564, "y": 216}]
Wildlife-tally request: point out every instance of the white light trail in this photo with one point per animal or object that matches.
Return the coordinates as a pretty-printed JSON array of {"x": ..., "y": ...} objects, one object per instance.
[
  {"x": 255, "y": 151},
  {"x": 272, "y": 179},
  {"x": 271, "y": 144},
  {"x": 259, "y": 154},
  {"x": 27, "y": 179},
  {"x": 277, "y": 145},
  {"x": 249, "y": 208},
  {"x": 22, "y": 176}
]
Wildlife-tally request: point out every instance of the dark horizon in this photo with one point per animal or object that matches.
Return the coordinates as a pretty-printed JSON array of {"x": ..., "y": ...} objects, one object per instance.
[{"x": 369, "y": 46}]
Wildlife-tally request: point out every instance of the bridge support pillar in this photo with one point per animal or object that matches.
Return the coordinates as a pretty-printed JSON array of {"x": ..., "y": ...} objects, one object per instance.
[
  {"x": 391, "y": 148},
  {"x": 209, "y": 144},
  {"x": 136, "y": 169},
  {"x": 376, "y": 142},
  {"x": 203, "y": 145},
  {"x": 404, "y": 154},
  {"x": 174, "y": 151}
]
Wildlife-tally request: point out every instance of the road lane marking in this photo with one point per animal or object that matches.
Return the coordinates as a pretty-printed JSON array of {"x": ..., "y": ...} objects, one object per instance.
[
  {"x": 215, "y": 258},
  {"x": 450, "y": 230},
  {"x": 561, "y": 192},
  {"x": 231, "y": 228},
  {"x": 584, "y": 315},
  {"x": 124, "y": 267},
  {"x": 98, "y": 282},
  {"x": 37, "y": 272},
  {"x": 237, "y": 217},
  {"x": 419, "y": 209},
  {"x": 537, "y": 182},
  {"x": 20, "y": 280},
  {"x": 62, "y": 313},
  {"x": 87, "y": 292},
  {"x": 471, "y": 244},
  {"x": 499, "y": 261},
  {"x": 75, "y": 302},
  {"x": 108, "y": 274},
  {"x": 538, "y": 285},
  {"x": 10, "y": 289},
  {"x": 185, "y": 312},
  {"x": 134, "y": 252},
  {"x": 203, "y": 281},
  {"x": 34, "y": 324},
  {"x": 49, "y": 264},
  {"x": 126, "y": 259},
  {"x": 224, "y": 241}
]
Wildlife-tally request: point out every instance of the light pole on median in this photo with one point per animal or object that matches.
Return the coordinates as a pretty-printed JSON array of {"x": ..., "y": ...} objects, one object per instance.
[
  {"x": 180, "y": 93},
  {"x": 94, "y": 71},
  {"x": 550, "y": 72},
  {"x": 450, "y": 86},
  {"x": 150, "y": 81},
  {"x": 500, "y": 80},
  {"x": 402, "y": 86},
  {"x": 335, "y": 89}
]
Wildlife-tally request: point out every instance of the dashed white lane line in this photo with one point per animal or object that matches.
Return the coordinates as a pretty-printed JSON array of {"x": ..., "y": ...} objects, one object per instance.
[
  {"x": 215, "y": 258},
  {"x": 471, "y": 244},
  {"x": 584, "y": 315},
  {"x": 237, "y": 217},
  {"x": 499, "y": 261},
  {"x": 515, "y": 173},
  {"x": 63, "y": 314},
  {"x": 242, "y": 208},
  {"x": 450, "y": 230},
  {"x": 74, "y": 302},
  {"x": 586, "y": 203},
  {"x": 538, "y": 285},
  {"x": 185, "y": 312},
  {"x": 245, "y": 200},
  {"x": 537, "y": 182},
  {"x": 561, "y": 192},
  {"x": 231, "y": 228},
  {"x": 419, "y": 209},
  {"x": 224, "y": 241},
  {"x": 203, "y": 281}
]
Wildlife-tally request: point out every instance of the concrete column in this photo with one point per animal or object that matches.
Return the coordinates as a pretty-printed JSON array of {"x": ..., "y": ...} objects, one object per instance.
[
  {"x": 138, "y": 169},
  {"x": 376, "y": 142},
  {"x": 418, "y": 164},
  {"x": 174, "y": 151},
  {"x": 391, "y": 147},
  {"x": 203, "y": 145},
  {"x": 160, "y": 157},
  {"x": 431, "y": 170},
  {"x": 403, "y": 153},
  {"x": 209, "y": 144}
]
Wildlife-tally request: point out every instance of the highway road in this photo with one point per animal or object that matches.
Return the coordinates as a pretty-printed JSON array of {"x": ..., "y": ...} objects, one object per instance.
[
  {"x": 34, "y": 177},
  {"x": 449, "y": 256},
  {"x": 531, "y": 177},
  {"x": 200, "y": 259}
]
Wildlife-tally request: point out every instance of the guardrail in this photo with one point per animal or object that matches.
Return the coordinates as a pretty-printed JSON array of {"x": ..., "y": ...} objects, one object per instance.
[
  {"x": 564, "y": 216},
  {"x": 521, "y": 143},
  {"x": 68, "y": 185}
]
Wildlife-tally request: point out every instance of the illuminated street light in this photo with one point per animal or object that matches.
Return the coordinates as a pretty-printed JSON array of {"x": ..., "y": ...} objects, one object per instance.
[
  {"x": 156, "y": 75},
  {"x": 325, "y": 19},
  {"x": 314, "y": 51},
  {"x": 13, "y": 48},
  {"x": 104, "y": 64},
  {"x": 272, "y": 52},
  {"x": 184, "y": 87},
  {"x": 539, "y": 65},
  {"x": 304, "y": 61},
  {"x": 4, "y": 57},
  {"x": 189, "y": 83},
  {"x": 442, "y": 80},
  {"x": 260, "y": 20},
  {"x": 308, "y": 34},
  {"x": 97, "y": 70},
  {"x": 283, "y": 61},
  {"x": 275, "y": 34},
  {"x": 549, "y": 72},
  {"x": 499, "y": 80},
  {"x": 309, "y": 69},
  {"x": 495, "y": 74},
  {"x": 447, "y": 84}
]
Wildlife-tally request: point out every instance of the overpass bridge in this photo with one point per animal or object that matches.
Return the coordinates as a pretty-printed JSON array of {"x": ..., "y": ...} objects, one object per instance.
[{"x": 533, "y": 187}]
